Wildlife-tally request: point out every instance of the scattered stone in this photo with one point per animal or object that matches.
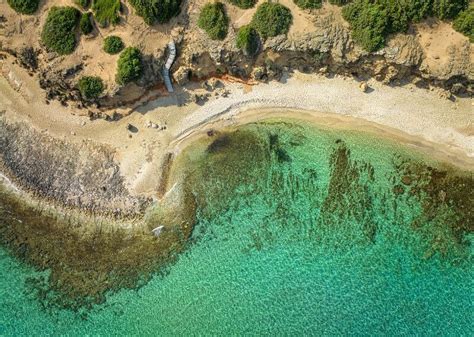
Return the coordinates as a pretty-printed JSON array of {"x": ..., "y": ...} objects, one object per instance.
[
  {"x": 83, "y": 123},
  {"x": 445, "y": 94},
  {"x": 73, "y": 133},
  {"x": 364, "y": 87},
  {"x": 458, "y": 89},
  {"x": 182, "y": 76}
]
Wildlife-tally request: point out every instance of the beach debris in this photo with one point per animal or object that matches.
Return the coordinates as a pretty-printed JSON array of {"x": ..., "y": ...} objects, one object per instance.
[
  {"x": 200, "y": 98},
  {"x": 157, "y": 231},
  {"x": 364, "y": 87},
  {"x": 149, "y": 124},
  {"x": 131, "y": 128}
]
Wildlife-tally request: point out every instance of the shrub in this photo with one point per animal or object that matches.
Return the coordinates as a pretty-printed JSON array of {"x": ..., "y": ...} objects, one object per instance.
[
  {"x": 339, "y": 2},
  {"x": 24, "y": 6},
  {"x": 83, "y": 3},
  {"x": 308, "y": 4},
  {"x": 160, "y": 11},
  {"x": 449, "y": 9},
  {"x": 107, "y": 12},
  {"x": 369, "y": 23},
  {"x": 464, "y": 23},
  {"x": 58, "y": 31},
  {"x": 244, "y": 4},
  {"x": 129, "y": 66},
  {"x": 113, "y": 44},
  {"x": 86, "y": 24},
  {"x": 214, "y": 21},
  {"x": 91, "y": 86},
  {"x": 247, "y": 40},
  {"x": 272, "y": 19}
]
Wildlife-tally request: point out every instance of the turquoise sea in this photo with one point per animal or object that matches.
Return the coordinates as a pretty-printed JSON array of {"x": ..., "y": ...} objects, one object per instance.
[{"x": 301, "y": 230}]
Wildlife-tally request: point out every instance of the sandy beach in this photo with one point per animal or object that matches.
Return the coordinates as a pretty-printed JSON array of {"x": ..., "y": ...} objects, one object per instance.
[{"x": 442, "y": 128}]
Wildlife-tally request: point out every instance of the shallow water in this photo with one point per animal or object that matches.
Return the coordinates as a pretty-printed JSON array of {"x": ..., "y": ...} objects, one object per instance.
[{"x": 300, "y": 230}]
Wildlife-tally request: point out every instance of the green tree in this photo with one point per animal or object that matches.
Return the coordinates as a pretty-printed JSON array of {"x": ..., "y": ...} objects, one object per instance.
[
  {"x": 214, "y": 21},
  {"x": 59, "y": 30},
  {"x": 368, "y": 22},
  {"x": 247, "y": 40},
  {"x": 272, "y": 19},
  {"x": 86, "y": 23},
  {"x": 113, "y": 44},
  {"x": 308, "y": 4},
  {"x": 244, "y": 4},
  {"x": 464, "y": 23},
  {"x": 153, "y": 11},
  {"x": 339, "y": 2},
  {"x": 449, "y": 9},
  {"x": 129, "y": 66},
  {"x": 107, "y": 12},
  {"x": 91, "y": 87},
  {"x": 24, "y": 6},
  {"x": 84, "y": 4}
]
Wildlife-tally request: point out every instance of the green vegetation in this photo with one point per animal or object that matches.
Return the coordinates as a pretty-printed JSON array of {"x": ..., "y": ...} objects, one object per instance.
[
  {"x": 449, "y": 9},
  {"x": 339, "y": 2},
  {"x": 91, "y": 87},
  {"x": 86, "y": 23},
  {"x": 153, "y": 11},
  {"x": 113, "y": 44},
  {"x": 244, "y": 4},
  {"x": 308, "y": 4},
  {"x": 83, "y": 3},
  {"x": 369, "y": 23},
  {"x": 129, "y": 66},
  {"x": 107, "y": 12},
  {"x": 214, "y": 21},
  {"x": 464, "y": 23},
  {"x": 59, "y": 30},
  {"x": 373, "y": 20},
  {"x": 247, "y": 40},
  {"x": 272, "y": 19},
  {"x": 24, "y": 6}
]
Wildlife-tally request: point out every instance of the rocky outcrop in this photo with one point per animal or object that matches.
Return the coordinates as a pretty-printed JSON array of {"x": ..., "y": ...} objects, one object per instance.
[{"x": 64, "y": 172}]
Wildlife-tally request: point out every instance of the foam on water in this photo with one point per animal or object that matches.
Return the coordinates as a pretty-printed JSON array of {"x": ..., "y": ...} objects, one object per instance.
[{"x": 300, "y": 231}]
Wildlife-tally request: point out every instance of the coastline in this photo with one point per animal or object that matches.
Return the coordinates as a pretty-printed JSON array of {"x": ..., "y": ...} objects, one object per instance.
[{"x": 441, "y": 128}]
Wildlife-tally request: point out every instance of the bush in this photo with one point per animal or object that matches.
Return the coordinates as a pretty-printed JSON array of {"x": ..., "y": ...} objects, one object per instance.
[
  {"x": 86, "y": 23},
  {"x": 214, "y": 21},
  {"x": 449, "y": 9},
  {"x": 244, "y": 4},
  {"x": 83, "y": 3},
  {"x": 59, "y": 30},
  {"x": 247, "y": 40},
  {"x": 308, "y": 4},
  {"x": 107, "y": 12},
  {"x": 24, "y": 6},
  {"x": 272, "y": 19},
  {"x": 129, "y": 66},
  {"x": 339, "y": 2},
  {"x": 113, "y": 44},
  {"x": 464, "y": 23},
  {"x": 91, "y": 86},
  {"x": 368, "y": 22},
  {"x": 160, "y": 11}
]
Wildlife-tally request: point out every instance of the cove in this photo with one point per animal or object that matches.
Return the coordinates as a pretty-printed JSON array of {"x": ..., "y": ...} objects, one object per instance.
[{"x": 299, "y": 230}]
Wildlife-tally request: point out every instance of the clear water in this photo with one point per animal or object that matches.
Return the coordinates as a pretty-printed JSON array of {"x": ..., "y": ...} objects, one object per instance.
[{"x": 277, "y": 251}]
